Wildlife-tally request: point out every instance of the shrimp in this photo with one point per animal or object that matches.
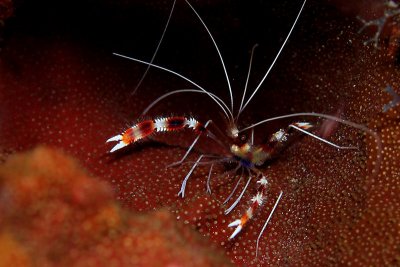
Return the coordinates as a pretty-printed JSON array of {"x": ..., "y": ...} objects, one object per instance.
[{"x": 240, "y": 149}]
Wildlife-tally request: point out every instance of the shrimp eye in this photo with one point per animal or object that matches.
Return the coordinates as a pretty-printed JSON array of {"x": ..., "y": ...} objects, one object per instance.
[{"x": 243, "y": 138}]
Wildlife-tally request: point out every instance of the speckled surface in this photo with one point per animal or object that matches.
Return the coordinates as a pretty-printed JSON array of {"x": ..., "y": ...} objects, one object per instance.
[
  {"x": 55, "y": 214},
  {"x": 60, "y": 85}
]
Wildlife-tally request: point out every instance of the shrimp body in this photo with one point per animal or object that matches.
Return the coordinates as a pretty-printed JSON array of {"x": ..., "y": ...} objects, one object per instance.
[{"x": 256, "y": 155}]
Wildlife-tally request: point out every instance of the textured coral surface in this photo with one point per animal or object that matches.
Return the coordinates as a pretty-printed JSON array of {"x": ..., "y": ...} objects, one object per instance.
[
  {"x": 54, "y": 214},
  {"x": 60, "y": 85}
]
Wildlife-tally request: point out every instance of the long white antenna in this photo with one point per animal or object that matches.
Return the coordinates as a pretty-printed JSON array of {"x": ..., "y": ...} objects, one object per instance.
[
  {"x": 183, "y": 91},
  {"x": 157, "y": 48},
  {"x": 320, "y": 139},
  {"x": 273, "y": 62},
  {"x": 180, "y": 76},
  {"x": 219, "y": 53},
  {"x": 329, "y": 117},
  {"x": 247, "y": 79},
  {"x": 267, "y": 221}
]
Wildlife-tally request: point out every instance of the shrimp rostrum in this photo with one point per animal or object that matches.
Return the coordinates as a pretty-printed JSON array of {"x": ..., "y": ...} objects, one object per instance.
[{"x": 241, "y": 149}]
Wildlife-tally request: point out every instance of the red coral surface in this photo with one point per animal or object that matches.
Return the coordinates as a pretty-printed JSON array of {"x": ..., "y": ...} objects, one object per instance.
[{"x": 61, "y": 86}]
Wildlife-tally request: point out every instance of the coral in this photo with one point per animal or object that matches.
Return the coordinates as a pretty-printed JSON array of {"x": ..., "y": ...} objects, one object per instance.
[
  {"x": 60, "y": 86},
  {"x": 54, "y": 214},
  {"x": 391, "y": 11},
  {"x": 395, "y": 99}
]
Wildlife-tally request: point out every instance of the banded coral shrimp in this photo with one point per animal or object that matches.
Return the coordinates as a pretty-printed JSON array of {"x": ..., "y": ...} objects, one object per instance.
[{"x": 241, "y": 149}]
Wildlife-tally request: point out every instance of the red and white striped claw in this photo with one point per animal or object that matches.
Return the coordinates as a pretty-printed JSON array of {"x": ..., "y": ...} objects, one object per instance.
[
  {"x": 117, "y": 138},
  {"x": 239, "y": 228}
]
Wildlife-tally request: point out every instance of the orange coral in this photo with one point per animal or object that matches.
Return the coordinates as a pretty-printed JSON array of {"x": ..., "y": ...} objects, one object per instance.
[{"x": 54, "y": 214}]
